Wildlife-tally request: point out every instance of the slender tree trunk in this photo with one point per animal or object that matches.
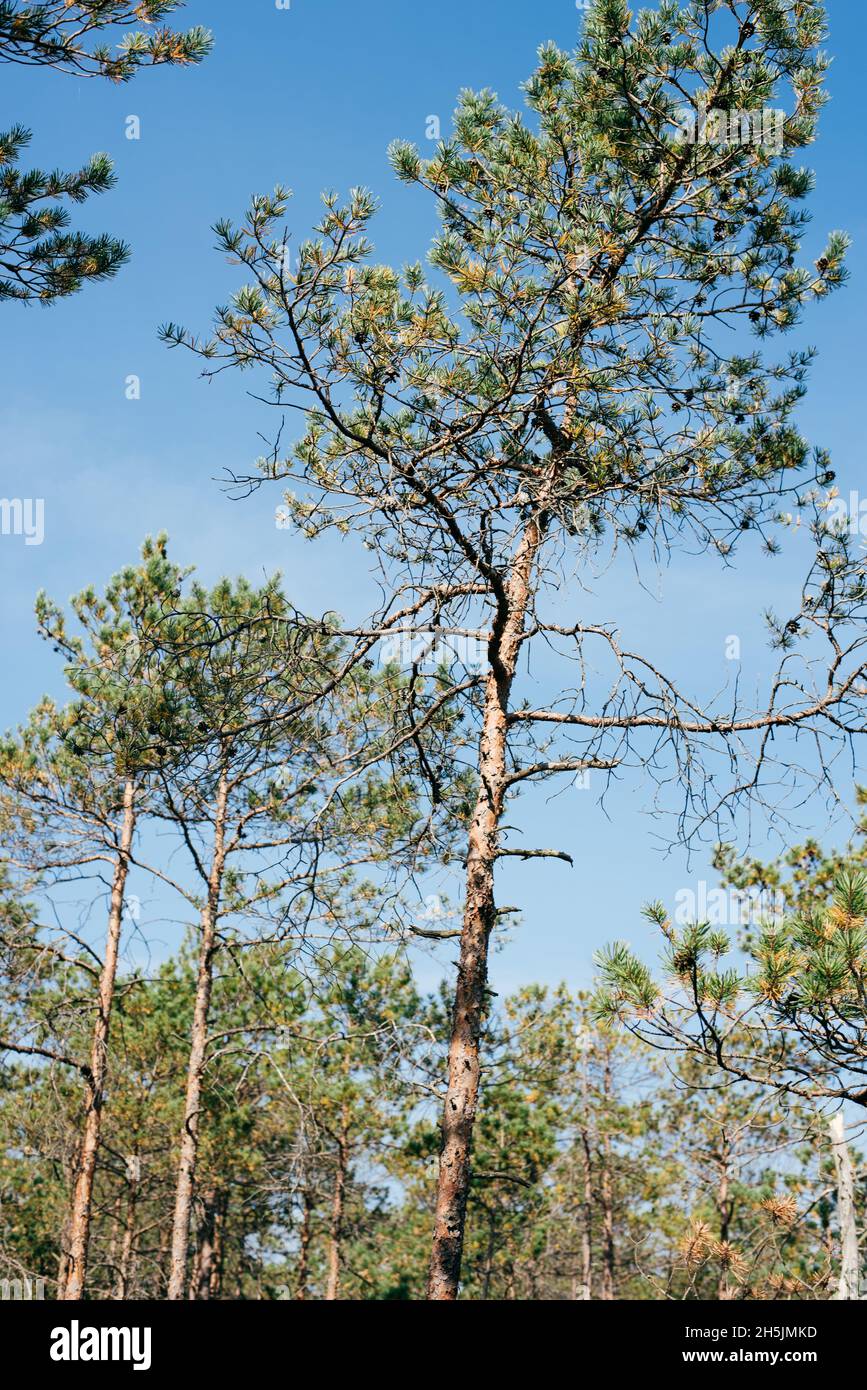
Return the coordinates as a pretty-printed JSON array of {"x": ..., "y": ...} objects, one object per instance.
[
  {"x": 607, "y": 1195},
  {"x": 70, "y": 1168},
  {"x": 194, "y": 1273},
  {"x": 115, "y": 1229},
  {"x": 126, "y": 1268},
  {"x": 850, "y": 1257},
  {"x": 724, "y": 1208},
  {"x": 163, "y": 1260},
  {"x": 585, "y": 1288},
  {"x": 206, "y": 1258},
  {"x": 462, "y": 1091},
  {"x": 335, "y": 1234},
  {"x": 304, "y": 1249},
  {"x": 197, "y": 1057},
  {"x": 212, "y": 1239},
  {"x": 221, "y": 1217},
  {"x": 62, "y": 1265},
  {"x": 827, "y": 1234},
  {"x": 82, "y": 1200},
  {"x": 489, "y": 1261}
]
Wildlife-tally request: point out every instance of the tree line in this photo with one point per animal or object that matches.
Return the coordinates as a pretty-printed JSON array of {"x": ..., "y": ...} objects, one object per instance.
[{"x": 254, "y": 1115}]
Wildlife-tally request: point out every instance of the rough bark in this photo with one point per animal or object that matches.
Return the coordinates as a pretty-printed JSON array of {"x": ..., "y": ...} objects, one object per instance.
[
  {"x": 197, "y": 1057},
  {"x": 462, "y": 1089},
  {"x": 205, "y": 1283},
  {"x": 850, "y": 1256},
  {"x": 338, "y": 1201},
  {"x": 75, "y": 1272},
  {"x": 62, "y": 1265},
  {"x": 194, "y": 1273}
]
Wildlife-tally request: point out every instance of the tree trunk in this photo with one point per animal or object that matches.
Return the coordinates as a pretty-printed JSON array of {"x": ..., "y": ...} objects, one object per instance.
[
  {"x": 126, "y": 1268},
  {"x": 607, "y": 1195},
  {"x": 337, "y": 1204},
  {"x": 82, "y": 1200},
  {"x": 196, "y": 1063},
  {"x": 725, "y": 1210},
  {"x": 462, "y": 1091},
  {"x": 220, "y": 1219},
  {"x": 489, "y": 1260},
  {"x": 69, "y": 1171},
  {"x": 850, "y": 1257},
  {"x": 606, "y": 1192},
  {"x": 62, "y": 1264},
  {"x": 194, "y": 1274},
  {"x": 163, "y": 1261},
  {"x": 585, "y": 1288},
  {"x": 206, "y": 1282},
  {"x": 304, "y": 1249},
  {"x": 111, "y": 1262}
]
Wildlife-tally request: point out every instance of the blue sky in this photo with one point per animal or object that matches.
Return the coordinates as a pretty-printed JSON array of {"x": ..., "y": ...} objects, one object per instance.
[{"x": 310, "y": 97}]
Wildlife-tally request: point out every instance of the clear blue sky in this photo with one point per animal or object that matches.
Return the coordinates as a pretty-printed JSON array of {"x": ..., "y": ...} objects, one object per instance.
[{"x": 310, "y": 97}]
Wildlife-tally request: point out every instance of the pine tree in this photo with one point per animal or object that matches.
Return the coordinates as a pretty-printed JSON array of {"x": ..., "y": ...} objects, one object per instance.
[
  {"x": 353, "y": 1073},
  {"x": 788, "y": 1014},
  {"x": 172, "y": 727},
  {"x": 259, "y": 737},
  {"x": 563, "y": 380},
  {"x": 783, "y": 1016},
  {"x": 750, "y": 1168},
  {"x": 71, "y": 786}
]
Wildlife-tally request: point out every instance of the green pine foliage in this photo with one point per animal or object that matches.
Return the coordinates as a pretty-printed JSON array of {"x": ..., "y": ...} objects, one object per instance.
[
  {"x": 786, "y": 1012},
  {"x": 97, "y": 38},
  {"x": 41, "y": 259}
]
